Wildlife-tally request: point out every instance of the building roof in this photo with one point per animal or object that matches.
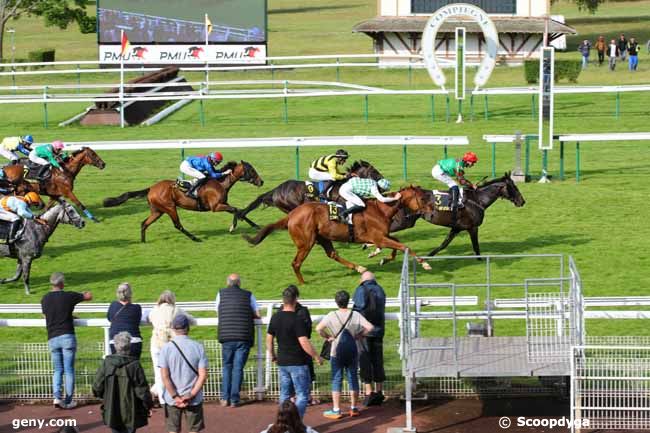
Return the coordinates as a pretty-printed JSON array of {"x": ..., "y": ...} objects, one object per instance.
[{"x": 504, "y": 24}]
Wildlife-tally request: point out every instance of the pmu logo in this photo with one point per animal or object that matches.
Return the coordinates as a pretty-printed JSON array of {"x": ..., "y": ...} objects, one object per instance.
[
  {"x": 195, "y": 52},
  {"x": 139, "y": 52},
  {"x": 251, "y": 51},
  {"x": 245, "y": 54}
]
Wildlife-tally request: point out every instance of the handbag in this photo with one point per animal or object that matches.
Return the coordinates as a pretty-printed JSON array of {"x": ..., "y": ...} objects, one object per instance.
[{"x": 326, "y": 351}]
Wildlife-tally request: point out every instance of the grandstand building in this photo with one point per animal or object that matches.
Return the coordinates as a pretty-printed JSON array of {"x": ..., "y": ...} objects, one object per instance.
[{"x": 397, "y": 29}]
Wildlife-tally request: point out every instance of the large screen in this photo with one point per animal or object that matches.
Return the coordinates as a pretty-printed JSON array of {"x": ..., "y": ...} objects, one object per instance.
[{"x": 178, "y": 22}]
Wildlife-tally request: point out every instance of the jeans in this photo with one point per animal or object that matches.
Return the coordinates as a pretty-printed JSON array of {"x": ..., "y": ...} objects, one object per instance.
[
  {"x": 337, "y": 375},
  {"x": 634, "y": 62},
  {"x": 63, "y": 349},
  {"x": 612, "y": 63},
  {"x": 295, "y": 379},
  {"x": 234, "y": 355},
  {"x": 585, "y": 62}
]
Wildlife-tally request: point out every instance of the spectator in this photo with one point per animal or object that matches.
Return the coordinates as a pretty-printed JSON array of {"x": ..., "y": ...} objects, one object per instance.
[
  {"x": 584, "y": 48},
  {"x": 622, "y": 46},
  {"x": 122, "y": 386},
  {"x": 288, "y": 420},
  {"x": 184, "y": 369},
  {"x": 633, "y": 51},
  {"x": 294, "y": 350},
  {"x": 601, "y": 46},
  {"x": 613, "y": 53},
  {"x": 370, "y": 300},
  {"x": 125, "y": 316},
  {"x": 57, "y": 306},
  {"x": 303, "y": 313},
  {"x": 344, "y": 328},
  {"x": 161, "y": 317},
  {"x": 237, "y": 308}
]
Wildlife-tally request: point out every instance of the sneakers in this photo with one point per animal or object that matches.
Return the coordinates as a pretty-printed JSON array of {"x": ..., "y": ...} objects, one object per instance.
[
  {"x": 374, "y": 399},
  {"x": 333, "y": 414},
  {"x": 354, "y": 411},
  {"x": 58, "y": 403},
  {"x": 70, "y": 405},
  {"x": 223, "y": 403}
]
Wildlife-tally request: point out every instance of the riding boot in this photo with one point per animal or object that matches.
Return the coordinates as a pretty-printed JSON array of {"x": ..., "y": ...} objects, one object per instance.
[
  {"x": 13, "y": 230},
  {"x": 196, "y": 184},
  {"x": 41, "y": 172},
  {"x": 326, "y": 186},
  {"x": 454, "y": 205},
  {"x": 350, "y": 211}
]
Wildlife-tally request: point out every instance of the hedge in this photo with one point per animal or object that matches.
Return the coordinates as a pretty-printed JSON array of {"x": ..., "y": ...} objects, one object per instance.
[
  {"x": 569, "y": 69},
  {"x": 44, "y": 55}
]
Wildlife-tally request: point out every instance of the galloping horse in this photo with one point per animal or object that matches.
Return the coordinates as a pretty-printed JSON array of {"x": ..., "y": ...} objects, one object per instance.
[
  {"x": 292, "y": 193},
  {"x": 309, "y": 224},
  {"x": 35, "y": 236},
  {"x": 470, "y": 217},
  {"x": 61, "y": 182},
  {"x": 165, "y": 196}
]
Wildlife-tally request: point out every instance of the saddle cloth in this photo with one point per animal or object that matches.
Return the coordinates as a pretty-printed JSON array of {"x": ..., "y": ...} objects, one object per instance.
[
  {"x": 31, "y": 171},
  {"x": 183, "y": 185},
  {"x": 441, "y": 200},
  {"x": 315, "y": 189}
]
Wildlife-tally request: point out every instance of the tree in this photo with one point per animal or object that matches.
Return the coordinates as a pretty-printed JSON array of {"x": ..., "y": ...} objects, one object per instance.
[
  {"x": 58, "y": 13},
  {"x": 590, "y": 5}
]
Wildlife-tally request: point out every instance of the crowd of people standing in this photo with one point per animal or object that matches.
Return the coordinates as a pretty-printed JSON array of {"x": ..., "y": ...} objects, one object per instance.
[
  {"x": 620, "y": 48},
  {"x": 353, "y": 344}
]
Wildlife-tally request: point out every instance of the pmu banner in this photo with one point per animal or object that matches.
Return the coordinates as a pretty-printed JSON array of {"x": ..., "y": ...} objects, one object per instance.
[{"x": 140, "y": 54}]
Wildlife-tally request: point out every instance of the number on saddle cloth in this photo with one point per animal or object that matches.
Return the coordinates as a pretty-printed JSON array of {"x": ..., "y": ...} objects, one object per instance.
[
  {"x": 334, "y": 211},
  {"x": 183, "y": 185},
  {"x": 442, "y": 201},
  {"x": 314, "y": 189}
]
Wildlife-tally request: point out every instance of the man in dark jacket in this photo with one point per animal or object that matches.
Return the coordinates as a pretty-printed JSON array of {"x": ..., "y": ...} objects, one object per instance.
[
  {"x": 121, "y": 384},
  {"x": 237, "y": 309},
  {"x": 370, "y": 300},
  {"x": 622, "y": 46},
  {"x": 633, "y": 49}
]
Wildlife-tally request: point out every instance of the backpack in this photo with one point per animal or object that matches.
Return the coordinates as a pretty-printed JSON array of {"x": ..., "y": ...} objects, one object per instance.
[
  {"x": 370, "y": 311},
  {"x": 346, "y": 348}
]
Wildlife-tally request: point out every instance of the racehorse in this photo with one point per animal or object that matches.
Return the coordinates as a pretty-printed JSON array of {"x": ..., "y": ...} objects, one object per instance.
[
  {"x": 292, "y": 193},
  {"x": 470, "y": 217},
  {"x": 309, "y": 224},
  {"x": 61, "y": 182},
  {"x": 165, "y": 196},
  {"x": 30, "y": 245}
]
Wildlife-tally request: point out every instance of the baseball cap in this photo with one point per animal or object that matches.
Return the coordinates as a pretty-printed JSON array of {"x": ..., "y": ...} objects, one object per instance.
[{"x": 180, "y": 322}]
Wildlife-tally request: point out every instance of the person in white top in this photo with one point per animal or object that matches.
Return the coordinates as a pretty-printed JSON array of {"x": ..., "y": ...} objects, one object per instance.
[
  {"x": 161, "y": 318},
  {"x": 288, "y": 421},
  {"x": 613, "y": 52}
]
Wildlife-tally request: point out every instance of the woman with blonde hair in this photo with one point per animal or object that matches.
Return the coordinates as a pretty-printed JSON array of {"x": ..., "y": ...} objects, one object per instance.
[
  {"x": 161, "y": 318},
  {"x": 125, "y": 316}
]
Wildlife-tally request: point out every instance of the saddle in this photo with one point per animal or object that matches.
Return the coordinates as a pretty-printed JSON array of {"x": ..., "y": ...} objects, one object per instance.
[
  {"x": 31, "y": 171},
  {"x": 317, "y": 189},
  {"x": 9, "y": 236},
  {"x": 442, "y": 201},
  {"x": 183, "y": 185},
  {"x": 334, "y": 213}
]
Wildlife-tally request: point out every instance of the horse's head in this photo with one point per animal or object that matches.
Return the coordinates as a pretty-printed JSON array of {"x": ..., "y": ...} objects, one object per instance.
[
  {"x": 245, "y": 171},
  {"x": 87, "y": 156},
  {"x": 509, "y": 191},
  {"x": 415, "y": 199},
  {"x": 364, "y": 170},
  {"x": 69, "y": 215}
]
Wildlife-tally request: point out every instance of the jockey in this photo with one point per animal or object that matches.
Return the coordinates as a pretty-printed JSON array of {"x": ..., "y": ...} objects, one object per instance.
[
  {"x": 327, "y": 168},
  {"x": 48, "y": 155},
  {"x": 202, "y": 168},
  {"x": 451, "y": 172},
  {"x": 10, "y": 145},
  {"x": 13, "y": 208},
  {"x": 356, "y": 189}
]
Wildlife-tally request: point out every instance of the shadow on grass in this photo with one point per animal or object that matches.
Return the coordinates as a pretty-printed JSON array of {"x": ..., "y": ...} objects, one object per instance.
[{"x": 56, "y": 251}]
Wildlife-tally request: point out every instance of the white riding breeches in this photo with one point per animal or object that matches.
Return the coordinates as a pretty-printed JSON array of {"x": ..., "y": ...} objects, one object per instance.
[
  {"x": 5, "y": 215},
  {"x": 318, "y": 176},
  {"x": 443, "y": 177},
  {"x": 351, "y": 199},
  {"x": 36, "y": 159},
  {"x": 187, "y": 169},
  {"x": 11, "y": 156}
]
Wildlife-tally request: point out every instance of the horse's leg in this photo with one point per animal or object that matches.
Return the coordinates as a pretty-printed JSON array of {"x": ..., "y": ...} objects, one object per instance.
[
  {"x": 332, "y": 254},
  {"x": 301, "y": 255},
  {"x": 27, "y": 267},
  {"x": 70, "y": 195},
  {"x": 473, "y": 235},
  {"x": 152, "y": 218},
  {"x": 173, "y": 214},
  {"x": 450, "y": 237},
  {"x": 19, "y": 271},
  {"x": 388, "y": 242},
  {"x": 392, "y": 256}
]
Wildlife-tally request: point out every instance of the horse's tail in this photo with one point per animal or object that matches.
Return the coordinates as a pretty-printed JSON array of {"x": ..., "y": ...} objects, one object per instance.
[
  {"x": 265, "y": 199},
  {"x": 116, "y": 201},
  {"x": 262, "y": 234}
]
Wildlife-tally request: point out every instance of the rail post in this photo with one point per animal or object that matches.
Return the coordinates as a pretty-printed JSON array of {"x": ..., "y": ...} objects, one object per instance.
[
  {"x": 618, "y": 104},
  {"x": 285, "y": 113},
  {"x": 201, "y": 110},
  {"x": 532, "y": 111},
  {"x": 107, "y": 342},
  {"x": 404, "y": 157},
  {"x": 471, "y": 107},
  {"x": 444, "y": 151},
  {"x": 338, "y": 72},
  {"x": 433, "y": 111},
  {"x": 45, "y": 107},
  {"x": 486, "y": 114},
  {"x": 561, "y": 160},
  {"x": 494, "y": 160},
  {"x": 365, "y": 108},
  {"x": 297, "y": 159},
  {"x": 78, "y": 79},
  {"x": 527, "y": 157},
  {"x": 260, "y": 389},
  {"x": 577, "y": 161},
  {"x": 13, "y": 77},
  {"x": 448, "y": 113},
  {"x": 272, "y": 75},
  {"x": 410, "y": 73}
]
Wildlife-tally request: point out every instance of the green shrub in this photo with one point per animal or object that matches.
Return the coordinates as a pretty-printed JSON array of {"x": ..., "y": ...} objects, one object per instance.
[
  {"x": 569, "y": 69},
  {"x": 87, "y": 24},
  {"x": 44, "y": 55}
]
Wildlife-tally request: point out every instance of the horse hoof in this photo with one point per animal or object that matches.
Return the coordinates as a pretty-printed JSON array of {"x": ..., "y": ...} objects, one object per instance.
[
  {"x": 382, "y": 262},
  {"x": 360, "y": 269},
  {"x": 426, "y": 266},
  {"x": 95, "y": 220},
  {"x": 364, "y": 247},
  {"x": 231, "y": 229}
]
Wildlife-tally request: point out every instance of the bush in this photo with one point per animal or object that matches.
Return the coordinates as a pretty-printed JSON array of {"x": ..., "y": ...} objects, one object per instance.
[
  {"x": 569, "y": 69},
  {"x": 44, "y": 55},
  {"x": 87, "y": 24}
]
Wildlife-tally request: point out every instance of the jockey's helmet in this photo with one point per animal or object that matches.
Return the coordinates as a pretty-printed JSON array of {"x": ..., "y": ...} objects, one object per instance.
[
  {"x": 470, "y": 158},
  {"x": 27, "y": 139},
  {"x": 216, "y": 157},
  {"x": 384, "y": 184},
  {"x": 341, "y": 154},
  {"x": 32, "y": 198},
  {"x": 58, "y": 145}
]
